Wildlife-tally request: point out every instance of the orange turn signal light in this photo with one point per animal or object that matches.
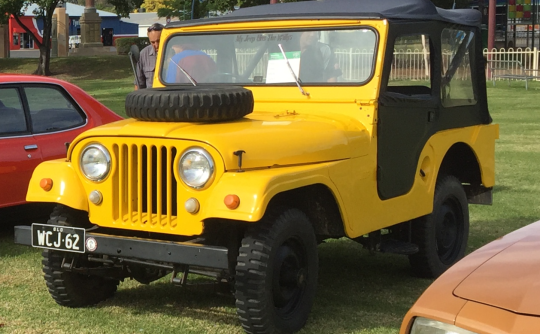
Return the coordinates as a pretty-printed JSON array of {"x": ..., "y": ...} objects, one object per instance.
[
  {"x": 46, "y": 184},
  {"x": 232, "y": 201}
]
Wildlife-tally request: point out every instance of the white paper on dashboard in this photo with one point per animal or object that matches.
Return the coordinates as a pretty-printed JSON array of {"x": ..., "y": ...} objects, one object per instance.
[{"x": 278, "y": 71}]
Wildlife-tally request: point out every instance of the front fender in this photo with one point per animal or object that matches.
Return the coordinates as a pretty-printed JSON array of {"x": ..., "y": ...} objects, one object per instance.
[
  {"x": 257, "y": 187},
  {"x": 62, "y": 174}
]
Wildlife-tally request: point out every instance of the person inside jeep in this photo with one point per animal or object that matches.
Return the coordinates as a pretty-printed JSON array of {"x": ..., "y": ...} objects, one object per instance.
[
  {"x": 188, "y": 59},
  {"x": 317, "y": 61}
]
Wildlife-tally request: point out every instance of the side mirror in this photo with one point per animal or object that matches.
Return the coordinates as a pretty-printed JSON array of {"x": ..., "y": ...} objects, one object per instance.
[{"x": 135, "y": 53}]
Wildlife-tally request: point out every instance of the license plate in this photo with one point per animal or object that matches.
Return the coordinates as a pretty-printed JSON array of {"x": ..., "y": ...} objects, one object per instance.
[{"x": 64, "y": 238}]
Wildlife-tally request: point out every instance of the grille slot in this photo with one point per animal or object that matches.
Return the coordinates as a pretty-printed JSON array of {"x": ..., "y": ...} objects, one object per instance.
[{"x": 145, "y": 189}]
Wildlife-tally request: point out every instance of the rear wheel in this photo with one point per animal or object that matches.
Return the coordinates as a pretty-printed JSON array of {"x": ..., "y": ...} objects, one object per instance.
[
  {"x": 276, "y": 273},
  {"x": 69, "y": 288},
  {"x": 442, "y": 235}
]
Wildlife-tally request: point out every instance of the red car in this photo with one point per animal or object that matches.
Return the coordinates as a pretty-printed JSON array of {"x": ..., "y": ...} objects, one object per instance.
[{"x": 39, "y": 117}]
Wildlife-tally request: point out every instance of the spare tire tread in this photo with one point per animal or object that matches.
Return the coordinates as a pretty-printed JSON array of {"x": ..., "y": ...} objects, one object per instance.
[{"x": 190, "y": 104}]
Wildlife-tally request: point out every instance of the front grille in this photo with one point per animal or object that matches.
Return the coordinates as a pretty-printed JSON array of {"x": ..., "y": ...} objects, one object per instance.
[{"x": 145, "y": 189}]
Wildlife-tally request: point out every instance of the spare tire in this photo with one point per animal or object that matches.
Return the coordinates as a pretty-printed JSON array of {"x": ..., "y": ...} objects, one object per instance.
[{"x": 190, "y": 104}]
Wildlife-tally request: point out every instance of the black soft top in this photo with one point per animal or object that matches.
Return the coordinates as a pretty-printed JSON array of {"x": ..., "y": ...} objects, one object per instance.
[{"x": 346, "y": 9}]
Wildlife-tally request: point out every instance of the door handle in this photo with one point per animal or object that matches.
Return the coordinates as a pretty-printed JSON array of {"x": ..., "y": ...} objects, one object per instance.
[{"x": 30, "y": 147}]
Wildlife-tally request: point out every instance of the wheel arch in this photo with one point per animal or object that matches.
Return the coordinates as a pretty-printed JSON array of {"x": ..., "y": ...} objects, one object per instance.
[
  {"x": 462, "y": 162},
  {"x": 319, "y": 203}
]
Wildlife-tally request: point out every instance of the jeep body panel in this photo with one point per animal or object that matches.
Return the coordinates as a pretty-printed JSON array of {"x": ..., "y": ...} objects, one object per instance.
[
  {"x": 352, "y": 181},
  {"x": 66, "y": 185}
]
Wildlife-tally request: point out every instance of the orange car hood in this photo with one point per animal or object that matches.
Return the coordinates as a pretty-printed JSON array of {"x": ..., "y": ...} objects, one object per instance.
[{"x": 510, "y": 279}]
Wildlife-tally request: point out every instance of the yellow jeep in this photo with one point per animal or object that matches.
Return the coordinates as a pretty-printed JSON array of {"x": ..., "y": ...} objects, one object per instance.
[{"x": 269, "y": 130}]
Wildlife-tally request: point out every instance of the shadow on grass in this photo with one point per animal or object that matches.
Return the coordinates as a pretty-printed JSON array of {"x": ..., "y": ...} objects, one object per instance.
[
  {"x": 500, "y": 188},
  {"x": 357, "y": 291},
  {"x": 193, "y": 301},
  {"x": 485, "y": 231},
  {"x": 377, "y": 289}
]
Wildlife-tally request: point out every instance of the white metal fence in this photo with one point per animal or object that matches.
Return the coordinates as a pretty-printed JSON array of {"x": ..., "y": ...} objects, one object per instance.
[
  {"x": 355, "y": 64},
  {"x": 413, "y": 64},
  {"x": 527, "y": 57},
  {"x": 409, "y": 64}
]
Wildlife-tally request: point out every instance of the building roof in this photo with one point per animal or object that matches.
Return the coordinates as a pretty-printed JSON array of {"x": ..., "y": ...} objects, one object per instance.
[
  {"x": 348, "y": 9},
  {"x": 71, "y": 9},
  {"x": 145, "y": 19}
]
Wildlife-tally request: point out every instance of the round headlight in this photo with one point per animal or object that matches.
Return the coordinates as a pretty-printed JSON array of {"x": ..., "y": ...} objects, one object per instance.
[
  {"x": 95, "y": 162},
  {"x": 196, "y": 167}
]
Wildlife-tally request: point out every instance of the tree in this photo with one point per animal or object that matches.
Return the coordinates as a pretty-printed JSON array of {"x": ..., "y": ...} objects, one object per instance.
[
  {"x": 16, "y": 8},
  {"x": 45, "y": 10}
]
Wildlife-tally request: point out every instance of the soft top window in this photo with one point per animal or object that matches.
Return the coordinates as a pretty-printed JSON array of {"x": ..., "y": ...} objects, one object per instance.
[
  {"x": 457, "y": 85},
  {"x": 411, "y": 69},
  {"x": 272, "y": 57}
]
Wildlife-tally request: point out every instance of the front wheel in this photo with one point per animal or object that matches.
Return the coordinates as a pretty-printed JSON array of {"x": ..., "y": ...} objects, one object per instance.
[
  {"x": 276, "y": 273},
  {"x": 442, "y": 235},
  {"x": 69, "y": 288}
]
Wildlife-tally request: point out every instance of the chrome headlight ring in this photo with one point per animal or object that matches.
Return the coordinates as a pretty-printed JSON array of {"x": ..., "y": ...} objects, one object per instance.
[
  {"x": 196, "y": 167},
  {"x": 95, "y": 162}
]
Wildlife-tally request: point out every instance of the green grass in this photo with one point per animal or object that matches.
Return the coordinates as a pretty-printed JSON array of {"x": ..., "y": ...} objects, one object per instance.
[{"x": 357, "y": 292}]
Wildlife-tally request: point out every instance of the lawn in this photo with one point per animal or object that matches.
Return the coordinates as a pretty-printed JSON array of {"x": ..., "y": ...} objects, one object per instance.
[{"x": 357, "y": 292}]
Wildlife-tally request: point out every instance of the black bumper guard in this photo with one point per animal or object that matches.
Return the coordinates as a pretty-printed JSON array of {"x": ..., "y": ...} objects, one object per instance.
[{"x": 147, "y": 249}]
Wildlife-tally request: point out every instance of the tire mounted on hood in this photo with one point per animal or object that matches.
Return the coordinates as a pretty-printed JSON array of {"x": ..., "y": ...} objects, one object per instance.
[{"x": 190, "y": 104}]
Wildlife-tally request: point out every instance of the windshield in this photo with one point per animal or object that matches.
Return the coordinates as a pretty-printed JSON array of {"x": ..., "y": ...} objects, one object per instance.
[{"x": 278, "y": 57}]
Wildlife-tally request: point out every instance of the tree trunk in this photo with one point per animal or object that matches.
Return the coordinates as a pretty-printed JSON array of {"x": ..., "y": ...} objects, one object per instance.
[
  {"x": 44, "y": 61},
  {"x": 45, "y": 45}
]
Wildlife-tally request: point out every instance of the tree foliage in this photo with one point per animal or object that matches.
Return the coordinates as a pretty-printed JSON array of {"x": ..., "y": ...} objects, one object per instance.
[
  {"x": 153, "y": 5},
  {"x": 124, "y": 7}
]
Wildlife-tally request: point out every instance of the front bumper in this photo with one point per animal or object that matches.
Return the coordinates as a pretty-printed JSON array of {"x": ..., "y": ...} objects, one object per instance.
[{"x": 183, "y": 253}]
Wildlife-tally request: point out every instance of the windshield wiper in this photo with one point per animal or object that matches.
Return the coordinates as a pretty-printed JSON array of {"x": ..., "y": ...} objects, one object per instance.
[
  {"x": 292, "y": 72},
  {"x": 190, "y": 78}
]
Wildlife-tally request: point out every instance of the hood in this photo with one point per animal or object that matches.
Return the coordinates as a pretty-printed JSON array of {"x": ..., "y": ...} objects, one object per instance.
[
  {"x": 510, "y": 279},
  {"x": 268, "y": 140}
]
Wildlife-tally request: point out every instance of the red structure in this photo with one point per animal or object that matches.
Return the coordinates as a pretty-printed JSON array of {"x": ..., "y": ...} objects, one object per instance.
[{"x": 19, "y": 38}]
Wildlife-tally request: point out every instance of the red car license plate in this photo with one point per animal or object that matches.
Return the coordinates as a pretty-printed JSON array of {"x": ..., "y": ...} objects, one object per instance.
[{"x": 64, "y": 238}]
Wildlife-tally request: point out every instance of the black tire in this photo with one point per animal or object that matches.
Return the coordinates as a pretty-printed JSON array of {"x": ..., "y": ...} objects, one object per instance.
[
  {"x": 442, "y": 235},
  {"x": 190, "y": 104},
  {"x": 276, "y": 273},
  {"x": 68, "y": 288}
]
